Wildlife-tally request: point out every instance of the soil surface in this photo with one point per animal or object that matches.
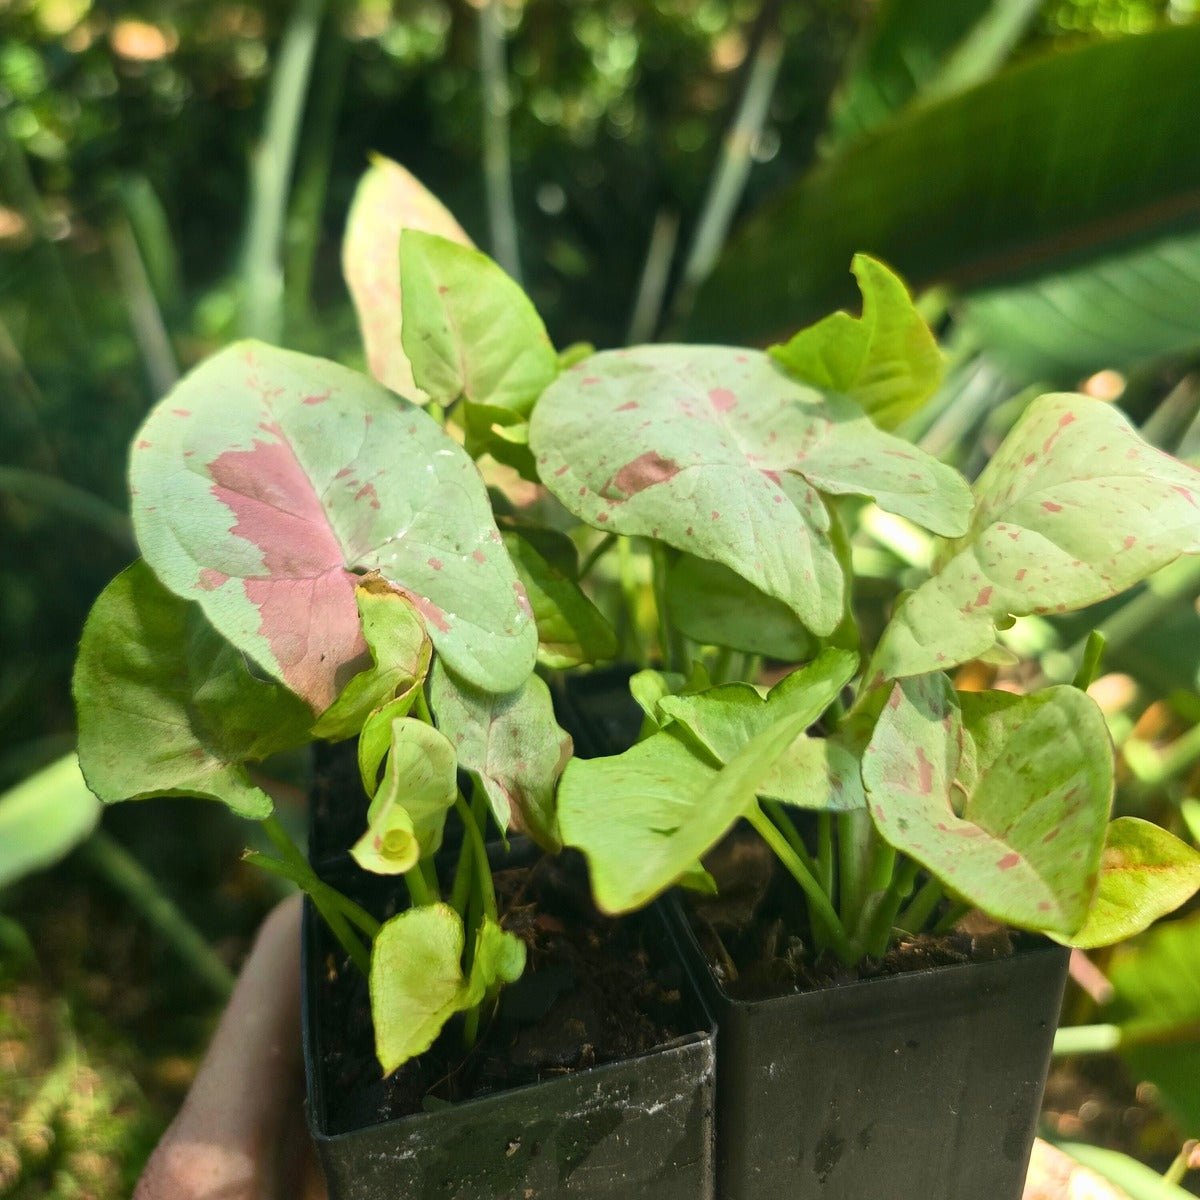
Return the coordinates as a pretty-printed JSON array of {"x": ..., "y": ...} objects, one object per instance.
[
  {"x": 757, "y": 942},
  {"x": 594, "y": 991}
]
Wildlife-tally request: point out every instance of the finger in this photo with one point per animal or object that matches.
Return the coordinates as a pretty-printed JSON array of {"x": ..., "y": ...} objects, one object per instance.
[
  {"x": 224, "y": 1141},
  {"x": 1055, "y": 1176}
]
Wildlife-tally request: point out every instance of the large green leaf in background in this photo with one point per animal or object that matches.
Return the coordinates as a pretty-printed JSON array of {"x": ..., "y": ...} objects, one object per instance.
[
  {"x": 1004, "y": 798},
  {"x": 912, "y": 49},
  {"x": 43, "y": 818},
  {"x": 1157, "y": 992},
  {"x": 267, "y": 482},
  {"x": 1060, "y": 159},
  {"x": 717, "y": 452}
]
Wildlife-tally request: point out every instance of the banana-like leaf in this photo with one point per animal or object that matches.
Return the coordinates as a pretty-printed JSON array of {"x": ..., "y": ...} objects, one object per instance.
[{"x": 1067, "y": 156}]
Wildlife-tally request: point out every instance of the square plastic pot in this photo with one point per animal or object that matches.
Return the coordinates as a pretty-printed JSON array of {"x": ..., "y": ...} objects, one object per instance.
[
  {"x": 921, "y": 1086},
  {"x": 637, "y": 1127}
]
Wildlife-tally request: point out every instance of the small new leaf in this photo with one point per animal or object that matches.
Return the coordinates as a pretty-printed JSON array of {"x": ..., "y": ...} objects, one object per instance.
[{"x": 887, "y": 362}]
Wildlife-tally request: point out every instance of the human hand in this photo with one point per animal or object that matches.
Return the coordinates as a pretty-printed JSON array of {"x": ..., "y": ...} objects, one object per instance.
[{"x": 240, "y": 1134}]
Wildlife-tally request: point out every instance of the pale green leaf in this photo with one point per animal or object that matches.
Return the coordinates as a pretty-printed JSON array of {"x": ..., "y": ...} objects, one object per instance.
[
  {"x": 511, "y": 744},
  {"x": 408, "y": 811},
  {"x": 1145, "y": 873},
  {"x": 571, "y": 629},
  {"x": 717, "y": 452},
  {"x": 887, "y": 361},
  {"x": 400, "y": 652},
  {"x": 388, "y": 200},
  {"x": 43, "y": 818},
  {"x": 268, "y": 482},
  {"x": 376, "y": 738},
  {"x": 714, "y": 606},
  {"x": 1136, "y": 1180},
  {"x": 1004, "y": 798},
  {"x": 644, "y": 818},
  {"x": 417, "y": 981},
  {"x": 1074, "y": 508},
  {"x": 164, "y": 709},
  {"x": 473, "y": 335}
]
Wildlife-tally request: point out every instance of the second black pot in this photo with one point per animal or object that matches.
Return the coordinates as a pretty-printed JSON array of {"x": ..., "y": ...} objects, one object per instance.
[{"x": 922, "y": 1086}]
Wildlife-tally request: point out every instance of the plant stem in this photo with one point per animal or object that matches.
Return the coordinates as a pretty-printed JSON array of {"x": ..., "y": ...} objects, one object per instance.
[
  {"x": 880, "y": 914},
  {"x": 421, "y": 705},
  {"x": 779, "y": 814},
  {"x": 419, "y": 892},
  {"x": 856, "y": 842},
  {"x": 497, "y": 159},
  {"x": 1102, "y": 1039},
  {"x": 825, "y": 863},
  {"x": 722, "y": 665},
  {"x": 483, "y": 871},
  {"x": 818, "y": 900},
  {"x": 35, "y": 487},
  {"x": 917, "y": 914},
  {"x": 1177, "y": 1171},
  {"x": 656, "y": 273},
  {"x": 271, "y": 174},
  {"x": 461, "y": 889},
  {"x": 594, "y": 555},
  {"x": 629, "y": 594},
  {"x": 1089, "y": 665},
  {"x": 954, "y": 913},
  {"x": 312, "y": 885},
  {"x": 109, "y": 859}
]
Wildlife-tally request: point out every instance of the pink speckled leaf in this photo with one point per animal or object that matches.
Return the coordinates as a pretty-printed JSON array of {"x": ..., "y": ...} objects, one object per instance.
[
  {"x": 268, "y": 482},
  {"x": 1074, "y": 508},
  {"x": 1004, "y": 798},
  {"x": 717, "y": 452},
  {"x": 388, "y": 201}
]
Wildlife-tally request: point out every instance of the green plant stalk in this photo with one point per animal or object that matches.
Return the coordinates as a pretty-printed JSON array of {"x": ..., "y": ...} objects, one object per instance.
[
  {"x": 825, "y": 861},
  {"x": 145, "y": 317},
  {"x": 460, "y": 890},
  {"x": 880, "y": 917},
  {"x": 818, "y": 901},
  {"x": 1089, "y": 665},
  {"x": 483, "y": 871},
  {"x": 951, "y": 917},
  {"x": 916, "y": 916},
  {"x": 419, "y": 892},
  {"x": 594, "y": 555},
  {"x": 666, "y": 639},
  {"x": 1177, "y": 1171},
  {"x": 856, "y": 839},
  {"x": 629, "y": 594},
  {"x": 1103, "y": 1039},
  {"x": 656, "y": 274},
  {"x": 271, "y": 174},
  {"x": 35, "y": 487},
  {"x": 722, "y": 664},
  {"x": 309, "y": 883},
  {"x": 497, "y": 158},
  {"x": 109, "y": 859},
  {"x": 822, "y": 936}
]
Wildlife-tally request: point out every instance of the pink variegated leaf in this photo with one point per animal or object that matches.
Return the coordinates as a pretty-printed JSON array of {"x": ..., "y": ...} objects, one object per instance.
[
  {"x": 388, "y": 201},
  {"x": 267, "y": 483}
]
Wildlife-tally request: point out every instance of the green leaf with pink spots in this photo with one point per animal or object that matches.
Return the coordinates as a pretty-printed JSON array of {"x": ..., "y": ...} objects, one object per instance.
[
  {"x": 1004, "y": 798},
  {"x": 887, "y": 360},
  {"x": 717, "y": 452},
  {"x": 388, "y": 200},
  {"x": 168, "y": 708},
  {"x": 1074, "y": 508},
  {"x": 511, "y": 744},
  {"x": 267, "y": 483}
]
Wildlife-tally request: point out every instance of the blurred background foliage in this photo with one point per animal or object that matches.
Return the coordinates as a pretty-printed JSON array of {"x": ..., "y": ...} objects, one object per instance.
[{"x": 176, "y": 174}]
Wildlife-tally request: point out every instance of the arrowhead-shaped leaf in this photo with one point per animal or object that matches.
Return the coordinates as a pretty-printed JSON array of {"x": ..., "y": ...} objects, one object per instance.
[
  {"x": 717, "y": 452},
  {"x": 513, "y": 746},
  {"x": 388, "y": 200},
  {"x": 887, "y": 361},
  {"x": 268, "y": 481},
  {"x": 1145, "y": 873},
  {"x": 166, "y": 708},
  {"x": 1075, "y": 507},
  {"x": 1004, "y": 798},
  {"x": 408, "y": 810},
  {"x": 401, "y": 652},
  {"x": 417, "y": 982},
  {"x": 571, "y": 629},
  {"x": 645, "y": 817}
]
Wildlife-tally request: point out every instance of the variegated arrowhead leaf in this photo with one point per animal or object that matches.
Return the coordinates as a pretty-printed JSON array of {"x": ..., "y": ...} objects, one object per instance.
[
  {"x": 717, "y": 452},
  {"x": 268, "y": 481},
  {"x": 417, "y": 982},
  {"x": 1074, "y": 508},
  {"x": 401, "y": 652},
  {"x": 511, "y": 744},
  {"x": 1004, "y": 798},
  {"x": 1145, "y": 873},
  {"x": 388, "y": 200},
  {"x": 408, "y": 810},
  {"x": 166, "y": 707},
  {"x": 888, "y": 361}
]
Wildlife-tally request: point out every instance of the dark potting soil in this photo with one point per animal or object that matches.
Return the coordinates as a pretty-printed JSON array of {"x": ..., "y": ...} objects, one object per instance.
[
  {"x": 754, "y": 935},
  {"x": 591, "y": 993}
]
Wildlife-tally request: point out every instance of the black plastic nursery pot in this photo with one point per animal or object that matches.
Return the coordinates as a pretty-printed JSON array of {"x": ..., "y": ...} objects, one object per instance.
[
  {"x": 639, "y": 1126},
  {"x": 916, "y": 1086}
]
